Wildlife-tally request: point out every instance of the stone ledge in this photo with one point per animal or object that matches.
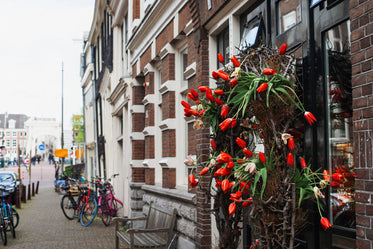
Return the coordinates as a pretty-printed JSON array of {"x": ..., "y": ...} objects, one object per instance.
[{"x": 178, "y": 193}]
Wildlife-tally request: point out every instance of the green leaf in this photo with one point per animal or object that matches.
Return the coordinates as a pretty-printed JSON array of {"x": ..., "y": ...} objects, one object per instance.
[{"x": 264, "y": 177}]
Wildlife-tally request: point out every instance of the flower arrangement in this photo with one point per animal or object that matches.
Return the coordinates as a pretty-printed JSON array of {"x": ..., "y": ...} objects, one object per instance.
[{"x": 256, "y": 159}]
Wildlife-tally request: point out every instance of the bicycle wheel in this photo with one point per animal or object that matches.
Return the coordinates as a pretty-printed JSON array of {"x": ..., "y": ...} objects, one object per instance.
[
  {"x": 105, "y": 212},
  {"x": 67, "y": 206},
  {"x": 3, "y": 229},
  {"x": 15, "y": 217},
  {"x": 117, "y": 206},
  {"x": 10, "y": 221},
  {"x": 88, "y": 212}
]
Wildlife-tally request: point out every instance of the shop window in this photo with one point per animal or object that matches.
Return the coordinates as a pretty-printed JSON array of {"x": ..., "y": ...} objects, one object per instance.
[
  {"x": 288, "y": 14},
  {"x": 252, "y": 32},
  {"x": 223, "y": 45},
  {"x": 341, "y": 163}
]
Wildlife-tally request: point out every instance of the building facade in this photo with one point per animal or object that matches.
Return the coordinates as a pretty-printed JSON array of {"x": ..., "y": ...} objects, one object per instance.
[
  {"x": 14, "y": 135},
  {"x": 140, "y": 59}
]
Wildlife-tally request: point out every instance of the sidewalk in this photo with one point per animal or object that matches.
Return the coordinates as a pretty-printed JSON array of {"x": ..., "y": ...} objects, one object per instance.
[{"x": 43, "y": 225}]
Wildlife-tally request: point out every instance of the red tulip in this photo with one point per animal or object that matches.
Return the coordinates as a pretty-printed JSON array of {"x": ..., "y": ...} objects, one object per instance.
[
  {"x": 201, "y": 113},
  {"x": 191, "y": 96},
  {"x": 225, "y": 185},
  {"x": 325, "y": 223},
  {"x": 202, "y": 88},
  {"x": 326, "y": 175},
  {"x": 218, "y": 101},
  {"x": 337, "y": 177},
  {"x": 204, "y": 171},
  {"x": 233, "y": 123},
  {"x": 247, "y": 153},
  {"x": 309, "y": 117},
  {"x": 223, "y": 157},
  {"x": 224, "y": 111},
  {"x": 218, "y": 183},
  {"x": 232, "y": 208},
  {"x": 241, "y": 143},
  {"x": 225, "y": 171},
  {"x": 230, "y": 165},
  {"x": 194, "y": 184},
  {"x": 262, "y": 157},
  {"x": 194, "y": 92},
  {"x": 263, "y": 87},
  {"x": 236, "y": 197},
  {"x": 303, "y": 163},
  {"x": 185, "y": 104},
  {"x": 215, "y": 75},
  {"x": 290, "y": 159},
  {"x": 233, "y": 82},
  {"x": 291, "y": 144},
  {"x": 248, "y": 202},
  {"x": 218, "y": 172},
  {"x": 209, "y": 95},
  {"x": 221, "y": 58},
  {"x": 219, "y": 92},
  {"x": 223, "y": 75},
  {"x": 282, "y": 49},
  {"x": 268, "y": 71},
  {"x": 245, "y": 186},
  {"x": 191, "y": 178},
  {"x": 335, "y": 184},
  {"x": 235, "y": 62},
  {"x": 225, "y": 124},
  {"x": 213, "y": 144}
]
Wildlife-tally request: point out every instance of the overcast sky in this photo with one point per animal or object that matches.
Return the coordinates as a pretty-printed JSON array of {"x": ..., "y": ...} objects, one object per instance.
[{"x": 36, "y": 36}]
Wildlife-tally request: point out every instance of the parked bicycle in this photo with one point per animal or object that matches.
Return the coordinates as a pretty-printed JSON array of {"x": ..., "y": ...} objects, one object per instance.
[
  {"x": 84, "y": 208},
  {"x": 9, "y": 217},
  {"x": 107, "y": 202}
]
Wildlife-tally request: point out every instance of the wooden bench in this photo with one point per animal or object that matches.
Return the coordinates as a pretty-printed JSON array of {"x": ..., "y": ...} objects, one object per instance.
[{"x": 158, "y": 231}]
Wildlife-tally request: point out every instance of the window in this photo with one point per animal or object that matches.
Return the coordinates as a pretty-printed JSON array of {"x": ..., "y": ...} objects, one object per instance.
[
  {"x": 252, "y": 31},
  {"x": 8, "y": 133},
  {"x": 14, "y": 144},
  {"x": 288, "y": 14},
  {"x": 7, "y": 143},
  {"x": 223, "y": 45},
  {"x": 183, "y": 66},
  {"x": 14, "y": 133},
  {"x": 12, "y": 124},
  {"x": 339, "y": 114},
  {"x": 25, "y": 134}
]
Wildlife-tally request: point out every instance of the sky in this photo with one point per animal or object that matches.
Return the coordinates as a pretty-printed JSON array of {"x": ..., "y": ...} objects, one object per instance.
[{"x": 36, "y": 37}]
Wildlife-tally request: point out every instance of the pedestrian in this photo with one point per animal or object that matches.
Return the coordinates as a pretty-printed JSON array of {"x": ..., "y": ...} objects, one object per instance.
[
  {"x": 33, "y": 159},
  {"x": 38, "y": 158}
]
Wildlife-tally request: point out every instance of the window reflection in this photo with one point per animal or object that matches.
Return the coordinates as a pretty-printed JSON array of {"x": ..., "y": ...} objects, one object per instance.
[
  {"x": 288, "y": 14},
  {"x": 253, "y": 32},
  {"x": 338, "y": 70}
]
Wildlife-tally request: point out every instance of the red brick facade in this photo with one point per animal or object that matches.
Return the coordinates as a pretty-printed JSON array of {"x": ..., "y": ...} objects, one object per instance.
[
  {"x": 164, "y": 37},
  {"x": 138, "y": 175},
  {"x": 149, "y": 110},
  {"x": 138, "y": 152},
  {"x": 361, "y": 17},
  {"x": 169, "y": 143},
  {"x": 149, "y": 79},
  {"x": 168, "y": 105},
  {"x": 136, "y": 9},
  {"x": 168, "y": 68},
  {"x": 150, "y": 176},
  {"x": 138, "y": 122},
  {"x": 149, "y": 147},
  {"x": 168, "y": 177},
  {"x": 138, "y": 95},
  {"x": 145, "y": 57}
]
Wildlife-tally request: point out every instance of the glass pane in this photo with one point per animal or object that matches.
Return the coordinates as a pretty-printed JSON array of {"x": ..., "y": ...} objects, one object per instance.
[
  {"x": 341, "y": 165},
  {"x": 288, "y": 14},
  {"x": 223, "y": 45}
]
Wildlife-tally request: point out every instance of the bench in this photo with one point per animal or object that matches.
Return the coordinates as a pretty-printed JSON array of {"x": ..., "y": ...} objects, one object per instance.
[{"x": 158, "y": 231}]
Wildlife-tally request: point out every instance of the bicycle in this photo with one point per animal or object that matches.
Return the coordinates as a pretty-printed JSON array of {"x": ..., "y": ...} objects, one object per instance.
[
  {"x": 7, "y": 213},
  {"x": 107, "y": 202},
  {"x": 84, "y": 209}
]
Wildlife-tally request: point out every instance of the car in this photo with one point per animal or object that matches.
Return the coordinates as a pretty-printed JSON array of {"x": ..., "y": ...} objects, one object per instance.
[{"x": 9, "y": 178}]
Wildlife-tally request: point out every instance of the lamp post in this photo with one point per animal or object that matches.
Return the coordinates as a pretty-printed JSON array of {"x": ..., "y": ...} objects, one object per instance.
[{"x": 62, "y": 142}]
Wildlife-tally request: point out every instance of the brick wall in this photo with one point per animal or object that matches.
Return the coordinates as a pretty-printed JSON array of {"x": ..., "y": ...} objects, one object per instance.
[
  {"x": 134, "y": 69},
  {"x": 138, "y": 174},
  {"x": 149, "y": 147},
  {"x": 192, "y": 142},
  {"x": 164, "y": 37},
  {"x": 168, "y": 105},
  {"x": 145, "y": 57},
  {"x": 168, "y": 177},
  {"x": 138, "y": 95},
  {"x": 169, "y": 143},
  {"x": 361, "y": 17},
  {"x": 184, "y": 16},
  {"x": 149, "y": 78},
  {"x": 150, "y": 176},
  {"x": 168, "y": 68},
  {"x": 136, "y": 9},
  {"x": 138, "y": 122},
  {"x": 149, "y": 120},
  {"x": 138, "y": 149}
]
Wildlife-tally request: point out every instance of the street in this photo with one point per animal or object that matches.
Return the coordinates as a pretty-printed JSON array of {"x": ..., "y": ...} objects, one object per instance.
[{"x": 42, "y": 223}]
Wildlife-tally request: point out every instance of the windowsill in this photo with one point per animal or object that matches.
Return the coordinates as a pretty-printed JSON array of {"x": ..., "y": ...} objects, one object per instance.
[{"x": 180, "y": 193}]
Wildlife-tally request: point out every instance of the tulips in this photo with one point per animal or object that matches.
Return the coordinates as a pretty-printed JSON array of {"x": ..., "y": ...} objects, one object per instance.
[
  {"x": 325, "y": 223},
  {"x": 309, "y": 117},
  {"x": 262, "y": 157},
  {"x": 263, "y": 87},
  {"x": 235, "y": 62},
  {"x": 241, "y": 143},
  {"x": 268, "y": 71},
  {"x": 227, "y": 123},
  {"x": 282, "y": 49}
]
